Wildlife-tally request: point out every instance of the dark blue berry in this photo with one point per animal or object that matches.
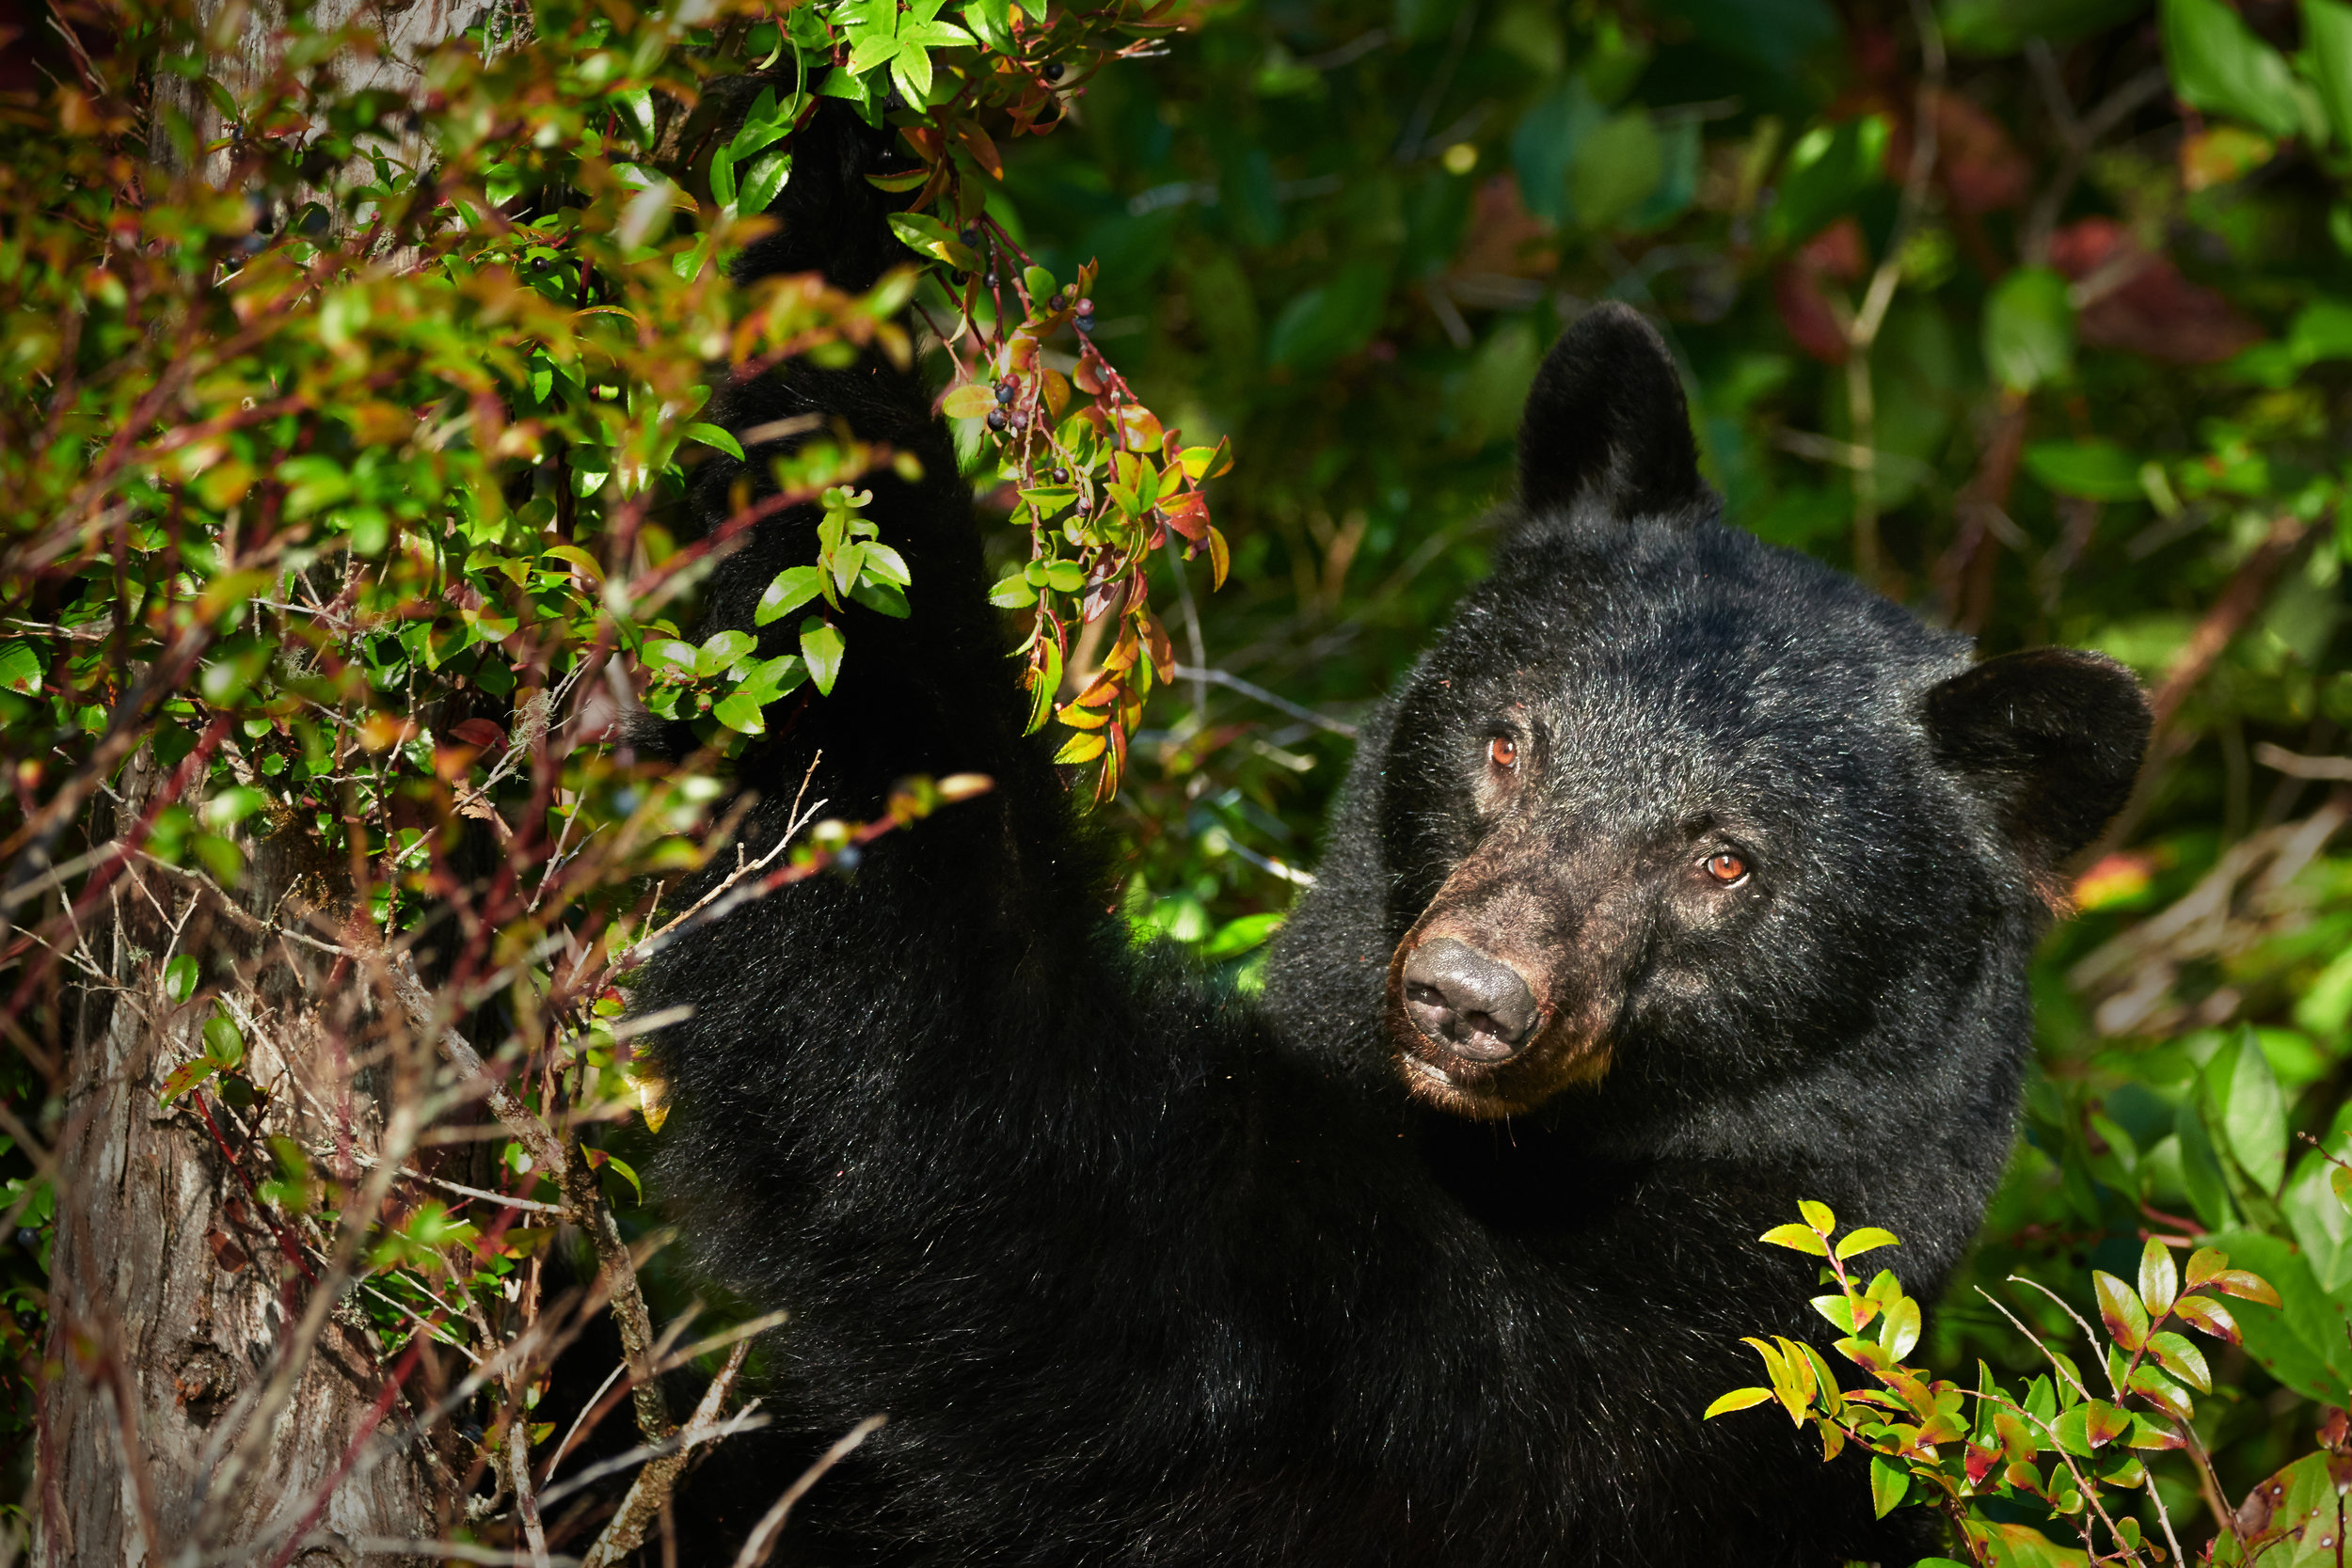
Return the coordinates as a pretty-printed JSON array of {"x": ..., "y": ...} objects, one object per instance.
[{"x": 995, "y": 419}]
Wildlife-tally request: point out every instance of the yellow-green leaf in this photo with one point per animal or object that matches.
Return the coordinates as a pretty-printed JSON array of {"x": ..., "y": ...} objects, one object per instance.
[
  {"x": 1739, "y": 1399},
  {"x": 1868, "y": 1239}
]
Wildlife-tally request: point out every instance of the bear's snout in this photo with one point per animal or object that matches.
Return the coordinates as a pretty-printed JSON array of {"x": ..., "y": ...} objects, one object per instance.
[{"x": 1479, "y": 1007}]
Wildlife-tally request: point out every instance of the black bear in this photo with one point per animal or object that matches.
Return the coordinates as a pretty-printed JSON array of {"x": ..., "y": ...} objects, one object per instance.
[{"x": 1682, "y": 879}]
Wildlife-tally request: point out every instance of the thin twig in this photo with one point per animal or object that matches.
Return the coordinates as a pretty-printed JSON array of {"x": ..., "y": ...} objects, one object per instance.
[{"x": 763, "y": 1537}]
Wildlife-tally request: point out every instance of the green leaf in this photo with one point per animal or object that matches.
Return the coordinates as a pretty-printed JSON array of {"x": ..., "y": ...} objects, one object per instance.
[
  {"x": 971, "y": 401},
  {"x": 2072, "y": 1431},
  {"x": 627, "y": 1175},
  {"x": 1236, "y": 937},
  {"x": 2030, "y": 330},
  {"x": 222, "y": 1042},
  {"x": 1612, "y": 168},
  {"x": 181, "y": 977},
  {"x": 1012, "y": 593},
  {"x": 1065, "y": 577},
  {"x": 2254, "y": 1112},
  {"x": 884, "y": 565},
  {"x": 931, "y": 238},
  {"x": 992, "y": 22},
  {"x": 1083, "y": 747},
  {"x": 723, "y": 177},
  {"x": 1739, "y": 1399},
  {"x": 1820, "y": 1216},
  {"x": 2162, "y": 1391},
  {"x": 771, "y": 678},
  {"x": 1867, "y": 1239},
  {"x": 721, "y": 651},
  {"x": 1797, "y": 1238},
  {"x": 792, "y": 588},
  {"x": 881, "y": 596},
  {"x": 2100, "y": 471},
  {"x": 2183, "y": 1359},
  {"x": 741, "y": 712},
  {"x": 2327, "y": 62},
  {"x": 187, "y": 1075},
  {"x": 20, "y": 668},
  {"x": 2218, "y": 64},
  {"x": 2201, "y": 1168},
  {"x": 1330, "y": 319},
  {"x": 1839, "y": 1311},
  {"x": 2126, "y": 1320},
  {"x": 1900, "y": 1331},
  {"x": 1889, "y": 1482},
  {"x": 712, "y": 435},
  {"x": 672, "y": 656},
  {"x": 761, "y": 183},
  {"x": 820, "y": 645},
  {"x": 2159, "y": 1281}
]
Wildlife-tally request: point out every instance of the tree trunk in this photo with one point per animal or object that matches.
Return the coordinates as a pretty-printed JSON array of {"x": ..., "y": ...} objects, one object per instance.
[
  {"x": 201, "y": 1406},
  {"x": 186, "y": 1415}
]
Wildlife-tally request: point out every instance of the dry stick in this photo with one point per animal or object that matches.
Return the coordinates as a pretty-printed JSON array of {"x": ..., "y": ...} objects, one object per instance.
[
  {"x": 2243, "y": 595},
  {"x": 646, "y": 1495},
  {"x": 578, "y": 1185},
  {"x": 764, "y": 1534},
  {"x": 2240, "y": 598},
  {"x": 526, "y": 1500},
  {"x": 2297, "y": 766},
  {"x": 1863, "y": 330}
]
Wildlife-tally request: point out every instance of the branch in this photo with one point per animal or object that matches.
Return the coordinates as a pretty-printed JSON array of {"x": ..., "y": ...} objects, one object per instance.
[
  {"x": 580, "y": 1194},
  {"x": 763, "y": 1536},
  {"x": 2239, "y": 600},
  {"x": 651, "y": 1490}
]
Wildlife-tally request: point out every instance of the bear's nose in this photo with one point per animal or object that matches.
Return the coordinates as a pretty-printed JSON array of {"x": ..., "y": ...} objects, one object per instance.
[{"x": 1478, "y": 1005}]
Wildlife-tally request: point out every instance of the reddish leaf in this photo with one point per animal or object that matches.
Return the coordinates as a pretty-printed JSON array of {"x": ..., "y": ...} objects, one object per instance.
[
  {"x": 2105, "y": 1423},
  {"x": 1838, "y": 251},
  {"x": 1505, "y": 240},
  {"x": 226, "y": 1252},
  {"x": 2163, "y": 1392},
  {"x": 1980, "y": 166},
  {"x": 983, "y": 150},
  {"x": 1088, "y": 378},
  {"x": 479, "y": 731},
  {"x": 1805, "y": 310},
  {"x": 1187, "y": 513},
  {"x": 2245, "y": 1285},
  {"x": 1139, "y": 430},
  {"x": 2141, "y": 303}
]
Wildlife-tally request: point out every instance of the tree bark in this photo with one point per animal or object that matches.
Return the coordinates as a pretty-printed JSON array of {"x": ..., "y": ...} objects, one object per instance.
[
  {"x": 184, "y": 1417},
  {"x": 190, "y": 1412}
]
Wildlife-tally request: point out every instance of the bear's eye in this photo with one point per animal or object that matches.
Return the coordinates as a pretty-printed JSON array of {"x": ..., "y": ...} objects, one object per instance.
[
  {"x": 1727, "y": 868},
  {"x": 1503, "y": 750}
]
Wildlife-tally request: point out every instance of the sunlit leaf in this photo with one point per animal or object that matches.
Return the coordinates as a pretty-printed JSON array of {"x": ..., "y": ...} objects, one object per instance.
[
  {"x": 1739, "y": 1399},
  {"x": 2119, "y": 1308},
  {"x": 2159, "y": 1281}
]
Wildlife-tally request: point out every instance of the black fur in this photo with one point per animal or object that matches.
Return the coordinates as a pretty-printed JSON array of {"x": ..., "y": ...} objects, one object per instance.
[{"x": 1145, "y": 1271}]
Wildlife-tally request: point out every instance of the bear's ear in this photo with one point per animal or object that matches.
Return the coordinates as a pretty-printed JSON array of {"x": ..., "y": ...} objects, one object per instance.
[
  {"x": 2055, "y": 737},
  {"x": 1606, "y": 421}
]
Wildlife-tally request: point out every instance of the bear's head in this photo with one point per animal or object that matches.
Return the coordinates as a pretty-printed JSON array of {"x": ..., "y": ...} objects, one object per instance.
[{"x": 1669, "y": 803}]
